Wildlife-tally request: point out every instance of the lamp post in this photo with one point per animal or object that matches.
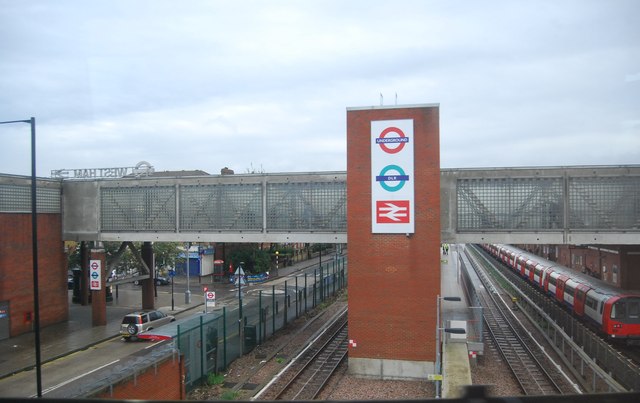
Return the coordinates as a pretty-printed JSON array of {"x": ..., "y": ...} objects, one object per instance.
[
  {"x": 34, "y": 245},
  {"x": 240, "y": 273},
  {"x": 187, "y": 293},
  {"x": 439, "y": 330}
]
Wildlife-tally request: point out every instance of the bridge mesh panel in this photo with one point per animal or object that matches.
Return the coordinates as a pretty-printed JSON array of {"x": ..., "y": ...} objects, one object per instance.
[
  {"x": 510, "y": 204},
  {"x": 311, "y": 206},
  {"x": 604, "y": 203},
  {"x": 221, "y": 207},
  {"x": 138, "y": 208},
  {"x": 17, "y": 199}
]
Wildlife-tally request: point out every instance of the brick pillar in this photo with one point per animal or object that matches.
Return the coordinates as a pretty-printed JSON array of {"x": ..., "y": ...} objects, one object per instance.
[
  {"x": 84, "y": 273},
  {"x": 148, "y": 285},
  {"x": 394, "y": 259},
  {"x": 99, "y": 297}
]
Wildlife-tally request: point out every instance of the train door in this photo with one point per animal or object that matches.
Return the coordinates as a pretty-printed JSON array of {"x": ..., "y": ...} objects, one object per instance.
[
  {"x": 520, "y": 262},
  {"x": 530, "y": 267},
  {"x": 560, "y": 285},
  {"x": 579, "y": 301},
  {"x": 550, "y": 282}
]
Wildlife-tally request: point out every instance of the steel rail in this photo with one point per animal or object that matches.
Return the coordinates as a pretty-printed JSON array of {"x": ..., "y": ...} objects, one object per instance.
[
  {"x": 313, "y": 370},
  {"x": 529, "y": 372}
]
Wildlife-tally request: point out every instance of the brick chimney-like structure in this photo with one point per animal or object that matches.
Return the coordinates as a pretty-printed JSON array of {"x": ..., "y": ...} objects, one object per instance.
[{"x": 393, "y": 230}]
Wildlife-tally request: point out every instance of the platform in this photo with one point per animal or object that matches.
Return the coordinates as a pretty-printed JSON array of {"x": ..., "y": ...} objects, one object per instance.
[{"x": 456, "y": 369}]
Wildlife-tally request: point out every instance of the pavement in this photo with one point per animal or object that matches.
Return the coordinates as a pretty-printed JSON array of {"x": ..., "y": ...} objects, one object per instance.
[
  {"x": 58, "y": 340},
  {"x": 456, "y": 369}
]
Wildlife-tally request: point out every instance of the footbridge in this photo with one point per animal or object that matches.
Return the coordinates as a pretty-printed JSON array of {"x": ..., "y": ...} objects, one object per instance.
[{"x": 550, "y": 205}]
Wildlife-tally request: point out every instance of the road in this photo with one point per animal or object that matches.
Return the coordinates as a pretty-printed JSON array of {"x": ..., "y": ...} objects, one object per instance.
[{"x": 69, "y": 368}]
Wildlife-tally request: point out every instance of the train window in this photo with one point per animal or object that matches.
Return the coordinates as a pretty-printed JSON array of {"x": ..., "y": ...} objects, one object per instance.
[
  {"x": 633, "y": 310},
  {"x": 591, "y": 303},
  {"x": 569, "y": 290},
  {"x": 617, "y": 310},
  {"x": 552, "y": 280}
]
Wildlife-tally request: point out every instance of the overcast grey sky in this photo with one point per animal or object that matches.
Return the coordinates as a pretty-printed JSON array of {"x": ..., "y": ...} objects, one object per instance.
[{"x": 207, "y": 84}]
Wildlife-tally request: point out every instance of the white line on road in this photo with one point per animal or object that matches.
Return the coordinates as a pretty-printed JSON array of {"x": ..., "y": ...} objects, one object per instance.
[{"x": 52, "y": 388}]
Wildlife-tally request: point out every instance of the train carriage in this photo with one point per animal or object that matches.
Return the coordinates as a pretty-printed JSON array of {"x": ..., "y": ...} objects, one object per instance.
[
  {"x": 615, "y": 312},
  {"x": 529, "y": 268}
]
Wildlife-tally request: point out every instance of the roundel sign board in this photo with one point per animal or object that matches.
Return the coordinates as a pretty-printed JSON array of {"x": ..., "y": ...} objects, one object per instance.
[
  {"x": 95, "y": 277},
  {"x": 392, "y": 189}
]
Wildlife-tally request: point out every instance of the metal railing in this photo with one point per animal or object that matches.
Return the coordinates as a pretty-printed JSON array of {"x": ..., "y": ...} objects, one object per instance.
[{"x": 210, "y": 344}]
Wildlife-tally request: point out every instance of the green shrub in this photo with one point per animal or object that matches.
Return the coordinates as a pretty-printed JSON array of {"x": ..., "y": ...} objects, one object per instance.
[{"x": 215, "y": 379}]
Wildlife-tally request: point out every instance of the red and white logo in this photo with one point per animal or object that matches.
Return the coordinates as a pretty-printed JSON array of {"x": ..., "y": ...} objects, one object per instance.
[{"x": 392, "y": 211}]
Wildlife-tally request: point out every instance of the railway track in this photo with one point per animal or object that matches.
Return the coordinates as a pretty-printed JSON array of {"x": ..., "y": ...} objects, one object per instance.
[
  {"x": 308, "y": 373},
  {"x": 618, "y": 364},
  {"x": 526, "y": 364}
]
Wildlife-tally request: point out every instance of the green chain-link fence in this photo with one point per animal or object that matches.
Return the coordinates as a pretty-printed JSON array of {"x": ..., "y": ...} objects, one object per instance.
[{"x": 209, "y": 343}]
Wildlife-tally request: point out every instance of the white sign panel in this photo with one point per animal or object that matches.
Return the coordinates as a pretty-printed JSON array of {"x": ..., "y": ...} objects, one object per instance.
[
  {"x": 392, "y": 177},
  {"x": 95, "y": 274},
  {"x": 210, "y": 298}
]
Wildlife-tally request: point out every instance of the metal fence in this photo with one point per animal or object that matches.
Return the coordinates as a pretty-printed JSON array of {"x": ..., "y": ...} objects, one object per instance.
[
  {"x": 473, "y": 315},
  {"x": 211, "y": 342}
]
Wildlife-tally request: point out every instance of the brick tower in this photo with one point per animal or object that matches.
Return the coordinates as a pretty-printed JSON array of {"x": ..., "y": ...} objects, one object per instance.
[{"x": 393, "y": 231}]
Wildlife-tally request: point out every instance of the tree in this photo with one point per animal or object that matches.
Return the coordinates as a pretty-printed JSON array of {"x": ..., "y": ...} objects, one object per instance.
[
  {"x": 166, "y": 253},
  {"x": 255, "y": 259}
]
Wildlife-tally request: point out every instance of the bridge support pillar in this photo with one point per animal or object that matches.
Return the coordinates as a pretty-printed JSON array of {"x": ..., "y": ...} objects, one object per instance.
[
  {"x": 393, "y": 232},
  {"x": 148, "y": 285},
  {"x": 84, "y": 274}
]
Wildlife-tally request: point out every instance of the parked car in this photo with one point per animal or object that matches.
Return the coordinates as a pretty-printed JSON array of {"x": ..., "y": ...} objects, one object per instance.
[
  {"x": 159, "y": 280},
  {"x": 135, "y": 323}
]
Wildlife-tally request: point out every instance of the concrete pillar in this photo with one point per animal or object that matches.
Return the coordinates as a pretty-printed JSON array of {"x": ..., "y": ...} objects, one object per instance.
[
  {"x": 393, "y": 231},
  {"x": 148, "y": 285}
]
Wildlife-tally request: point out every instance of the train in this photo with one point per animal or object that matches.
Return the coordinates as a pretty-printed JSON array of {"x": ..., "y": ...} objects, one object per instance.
[{"x": 613, "y": 312}]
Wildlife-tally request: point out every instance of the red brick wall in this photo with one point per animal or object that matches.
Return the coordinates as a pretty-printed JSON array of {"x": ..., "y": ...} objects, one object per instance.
[
  {"x": 625, "y": 257},
  {"x": 630, "y": 262},
  {"x": 160, "y": 382},
  {"x": 16, "y": 270},
  {"x": 393, "y": 279}
]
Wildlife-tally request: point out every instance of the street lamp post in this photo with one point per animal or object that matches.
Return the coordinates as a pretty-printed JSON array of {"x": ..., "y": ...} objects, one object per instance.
[
  {"x": 187, "y": 293},
  {"x": 439, "y": 330},
  {"x": 34, "y": 245},
  {"x": 240, "y": 273}
]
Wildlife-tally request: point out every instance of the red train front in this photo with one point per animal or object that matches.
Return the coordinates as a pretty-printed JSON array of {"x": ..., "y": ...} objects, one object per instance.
[{"x": 621, "y": 317}]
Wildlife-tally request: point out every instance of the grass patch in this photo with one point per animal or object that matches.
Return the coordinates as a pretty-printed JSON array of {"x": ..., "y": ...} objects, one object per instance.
[
  {"x": 215, "y": 379},
  {"x": 230, "y": 395}
]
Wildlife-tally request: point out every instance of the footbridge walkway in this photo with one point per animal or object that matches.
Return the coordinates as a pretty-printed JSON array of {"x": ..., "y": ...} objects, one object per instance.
[{"x": 554, "y": 205}]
